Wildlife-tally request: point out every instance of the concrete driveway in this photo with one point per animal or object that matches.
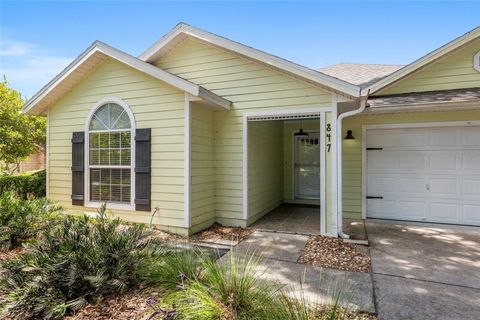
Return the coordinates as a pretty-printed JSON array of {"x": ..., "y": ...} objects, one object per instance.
[{"x": 425, "y": 271}]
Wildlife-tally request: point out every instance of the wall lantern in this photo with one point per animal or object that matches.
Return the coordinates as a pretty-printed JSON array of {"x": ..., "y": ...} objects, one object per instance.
[{"x": 349, "y": 135}]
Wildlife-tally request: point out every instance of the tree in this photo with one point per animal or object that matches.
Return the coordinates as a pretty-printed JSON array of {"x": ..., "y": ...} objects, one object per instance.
[{"x": 20, "y": 135}]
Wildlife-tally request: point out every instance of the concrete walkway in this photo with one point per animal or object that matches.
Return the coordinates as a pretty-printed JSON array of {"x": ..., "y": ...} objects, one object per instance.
[
  {"x": 281, "y": 252},
  {"x": 423, "y": 271}
]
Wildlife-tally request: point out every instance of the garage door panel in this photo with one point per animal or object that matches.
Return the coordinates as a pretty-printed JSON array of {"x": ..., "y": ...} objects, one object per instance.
[
  {"x": 413, "y": 210},
  {"x": 380, "y": 138},
  {"x": 379, "y": 208},
  {"x": 407, "y": 185},
  {"x": 444, "y": 212},
  {"x": 379, "y": 184},
  {"x": 471, "y": 213},
  {"x": 424, "y": 174},
  {"x": 471, "y": 187},
  {"x": 412, "y": 138},
  {"x": 413, "y": 160},
  {"x": 443, "y": 160},
  {"x": 470, "y": 137},
  {"x": 444, "y": 186},
  {"x": 471, "y": 160},
  {"x": 443, "y": 137}
]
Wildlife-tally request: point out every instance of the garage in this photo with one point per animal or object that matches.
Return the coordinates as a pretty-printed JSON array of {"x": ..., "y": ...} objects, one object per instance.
[{"x": 423, "y": 172}]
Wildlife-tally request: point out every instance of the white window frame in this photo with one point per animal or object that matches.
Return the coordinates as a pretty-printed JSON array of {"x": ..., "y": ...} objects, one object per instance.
[
  {"x": 110, "y": 205},
  {"x": 476, "y": 61}
]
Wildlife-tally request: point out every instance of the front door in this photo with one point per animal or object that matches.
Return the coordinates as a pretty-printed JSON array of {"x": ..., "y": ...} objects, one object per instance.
[{"x": 307, "y": 166}]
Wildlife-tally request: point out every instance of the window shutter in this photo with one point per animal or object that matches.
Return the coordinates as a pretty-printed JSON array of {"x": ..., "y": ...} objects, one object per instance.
[
  {"x": 142, "y": 169},
  {"x": 78, "y": 168}
]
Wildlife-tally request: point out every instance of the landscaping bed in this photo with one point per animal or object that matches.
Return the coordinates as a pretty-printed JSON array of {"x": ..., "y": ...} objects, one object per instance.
[
  {"x": 219, "y": 232},
  {"x": 334, "y": 253}
]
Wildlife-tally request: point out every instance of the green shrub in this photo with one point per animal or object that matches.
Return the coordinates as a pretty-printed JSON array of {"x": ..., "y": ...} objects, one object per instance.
[
  {"x": 21, "y": 220},
  {"x": 24, "y": 185},
  {"x": 78, "y": 262}
]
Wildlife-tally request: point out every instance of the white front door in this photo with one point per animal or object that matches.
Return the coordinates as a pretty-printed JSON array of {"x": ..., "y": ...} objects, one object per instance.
[
  {"x": 307, "y": 166},
  {"x": 424, "y": 174}
]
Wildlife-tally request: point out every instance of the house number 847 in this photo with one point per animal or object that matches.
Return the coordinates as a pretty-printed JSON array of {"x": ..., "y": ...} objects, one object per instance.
[{"x": 329, "y": 136}]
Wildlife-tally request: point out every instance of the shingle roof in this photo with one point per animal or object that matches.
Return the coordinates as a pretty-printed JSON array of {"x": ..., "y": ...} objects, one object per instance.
[
  {"x": 360, "y": 74},
  {"x": 426, "y": 98}
]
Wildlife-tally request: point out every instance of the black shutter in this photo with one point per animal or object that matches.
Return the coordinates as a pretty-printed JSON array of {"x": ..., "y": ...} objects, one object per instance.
[
  {"x": 142, "y": 169},
  {"x": 78, "y": 168}
]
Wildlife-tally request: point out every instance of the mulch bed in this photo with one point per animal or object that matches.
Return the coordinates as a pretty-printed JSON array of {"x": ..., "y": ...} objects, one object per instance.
[
  {"x": 334, "y": 253},
  {"x": 133, "y": 305},
  {"x": 9, "y": 254},
  {"x": 217, "y": 231}
]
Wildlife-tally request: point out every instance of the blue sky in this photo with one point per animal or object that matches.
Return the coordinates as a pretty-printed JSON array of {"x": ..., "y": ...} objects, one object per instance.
[{"x": 38, "y": 39}]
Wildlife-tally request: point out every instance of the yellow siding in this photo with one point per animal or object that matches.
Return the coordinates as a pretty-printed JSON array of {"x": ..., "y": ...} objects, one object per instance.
[
  {"x": 455, "y": 71},
  {"x": 202, "y": 168},
  {"x": 352, "y": 149},
  {"x": 265, "y": 167},
  {"x": 155, "y": 105},
  {"x": 289, "y": 128},
  {"x": 250, "y": 86}
]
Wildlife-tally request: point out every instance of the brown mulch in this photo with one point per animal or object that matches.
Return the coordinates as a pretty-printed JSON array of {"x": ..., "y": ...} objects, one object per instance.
[
  {"x": 9, "y": 254},
  {"x": 217, "y": 231},
  {"x": 334, "y": 253},
  {"x": 133, "y": 305}
]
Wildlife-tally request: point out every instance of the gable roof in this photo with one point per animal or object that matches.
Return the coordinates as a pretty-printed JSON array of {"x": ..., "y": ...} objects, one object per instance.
[
  {"x": 429, "y": 58},
  {"x": 360, "y": 74},
  {"x": 92, "y": 57},
  {"x": 183, "y": 31}
]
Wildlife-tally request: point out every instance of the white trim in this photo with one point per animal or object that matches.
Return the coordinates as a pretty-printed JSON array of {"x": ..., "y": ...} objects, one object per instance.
[
  {"x": 423, "y": 125},
  {"x": 47, "y": 156},
  {"x": 188, "y": 161},
  {"x": 323, "y": 177},
  {"x": 245, "y": 118},
  {"x": 287, "y": 112},
  {"x": 334, "y": 150},
  {"x": 366, "y": 127},
  {"x": 131, "y": 61},
  {"x": 423, "y": 61},
  {"x": 322, "y": 79},
  {"x": 96, "y": 204},
  {"x": 476, "y": 61},
  {"x": 245, "y": 165}
]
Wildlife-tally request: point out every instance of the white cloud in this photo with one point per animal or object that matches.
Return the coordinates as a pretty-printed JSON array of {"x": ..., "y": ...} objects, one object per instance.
[{"x": 28, "y": 66}]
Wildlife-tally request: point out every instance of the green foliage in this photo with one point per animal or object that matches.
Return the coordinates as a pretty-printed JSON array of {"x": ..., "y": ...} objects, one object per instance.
[
  {"x": 22, "y": 219},
  {"x": 77, "y": 262},
  {"x": 233, "y": 288},
  {"x": 20, "y": 135},
  {"x": 25, "y": 184}
]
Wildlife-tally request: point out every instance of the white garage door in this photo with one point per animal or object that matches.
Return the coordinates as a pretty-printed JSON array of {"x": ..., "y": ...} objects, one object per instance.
[{"x": 424, "y": 174}]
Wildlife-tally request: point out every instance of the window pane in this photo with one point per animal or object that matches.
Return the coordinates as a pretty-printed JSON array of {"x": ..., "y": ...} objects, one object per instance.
[
  {"x": 115, "y": 113},
  {"x": 97, "y": 124},
  {"x": 104, "y": 140},
  {"x": 125, "y": 158},
  {"x": 94, "y": 140},
  {"x": 94, "y": 156},
  {"x": 111, "y": 185},
  {"x": 115, "y": 156},
  {"x": 123, "y": 122},
  {"x": 125, "y": 137},
  {"x": 104, "y": 157},
  {"x": 115, "y": 139}
]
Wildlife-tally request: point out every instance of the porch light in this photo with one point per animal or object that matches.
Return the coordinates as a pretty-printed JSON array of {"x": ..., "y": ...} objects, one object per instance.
[
  {"x": 300, "y": 133},
  {"x": 349, "y": 135}
]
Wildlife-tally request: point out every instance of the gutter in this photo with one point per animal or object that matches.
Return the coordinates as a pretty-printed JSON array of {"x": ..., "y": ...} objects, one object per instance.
[{"x": 363, "y": 105}]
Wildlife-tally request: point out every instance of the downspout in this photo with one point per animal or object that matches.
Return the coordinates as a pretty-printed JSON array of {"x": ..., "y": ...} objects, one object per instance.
[{"x": 363, "y": 105}]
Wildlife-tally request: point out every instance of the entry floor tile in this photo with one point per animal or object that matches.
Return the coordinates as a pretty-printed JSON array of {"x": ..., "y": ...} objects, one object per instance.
[{"x": 301, "y": 219}]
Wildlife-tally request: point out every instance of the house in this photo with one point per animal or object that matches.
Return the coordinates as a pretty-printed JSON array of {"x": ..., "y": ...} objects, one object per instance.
[{"x": 201, "y": 129}]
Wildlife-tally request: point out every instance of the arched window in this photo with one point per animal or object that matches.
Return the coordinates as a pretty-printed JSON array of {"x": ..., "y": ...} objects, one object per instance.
[{"x": 109, "y": 150}]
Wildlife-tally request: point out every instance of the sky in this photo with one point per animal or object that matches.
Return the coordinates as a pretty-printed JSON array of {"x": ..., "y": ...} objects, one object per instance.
[{"x": 38, "y": 39}]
